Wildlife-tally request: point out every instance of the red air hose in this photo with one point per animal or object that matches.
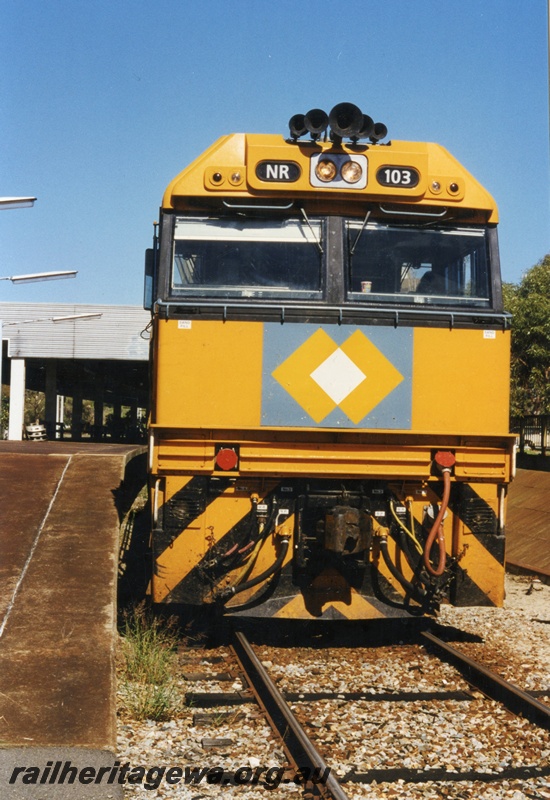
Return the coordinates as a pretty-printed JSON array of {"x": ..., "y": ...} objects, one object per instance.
[{"x": 444, "y": 461}]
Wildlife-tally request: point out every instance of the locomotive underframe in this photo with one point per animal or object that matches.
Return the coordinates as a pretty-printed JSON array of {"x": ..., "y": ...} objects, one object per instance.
[{"x": 352, "y": 510}]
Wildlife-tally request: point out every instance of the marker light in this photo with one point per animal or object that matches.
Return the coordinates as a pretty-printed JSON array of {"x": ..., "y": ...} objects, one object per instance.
[
  {"x": 351, "y": 171},
  {"x": 325, "y": 170},
  {"x": 227, "y": 458}
]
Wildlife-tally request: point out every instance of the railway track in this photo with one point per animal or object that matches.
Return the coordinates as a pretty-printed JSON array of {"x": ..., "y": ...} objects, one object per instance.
[
  {"x": 517, "y": 701},
  {"x": 295, "y": 714},
  {"x": 298, "y": 746}
]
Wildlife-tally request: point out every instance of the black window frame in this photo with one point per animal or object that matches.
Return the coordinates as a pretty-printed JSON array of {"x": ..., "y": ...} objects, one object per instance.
[
  {"x": 256, "y": 294},
  {"x": 414, "y": 297},
  {"x": 333, "y": 303}
]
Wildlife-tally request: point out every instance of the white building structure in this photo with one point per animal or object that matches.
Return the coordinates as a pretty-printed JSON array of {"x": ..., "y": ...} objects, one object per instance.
[{"x": 86, "y": 352}]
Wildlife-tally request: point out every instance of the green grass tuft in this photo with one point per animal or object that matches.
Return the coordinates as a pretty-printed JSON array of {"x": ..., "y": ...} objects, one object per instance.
[{"x": 148, "y": 666}]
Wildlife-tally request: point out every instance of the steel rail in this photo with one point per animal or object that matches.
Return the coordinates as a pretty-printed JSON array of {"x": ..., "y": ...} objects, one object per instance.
[
  {"x": 493, "y": 686},
  {"x": 299, "y": 748}
]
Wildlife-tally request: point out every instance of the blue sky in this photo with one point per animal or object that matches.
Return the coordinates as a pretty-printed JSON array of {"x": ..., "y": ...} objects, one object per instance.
[{"x": 102, "y": 103}]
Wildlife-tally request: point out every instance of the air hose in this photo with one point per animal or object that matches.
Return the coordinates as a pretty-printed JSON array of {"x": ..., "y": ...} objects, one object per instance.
[
  {"x": 415, "y": 591},
  {"x": 444, "y": 461},
  {"x": 230, "y": 591}
]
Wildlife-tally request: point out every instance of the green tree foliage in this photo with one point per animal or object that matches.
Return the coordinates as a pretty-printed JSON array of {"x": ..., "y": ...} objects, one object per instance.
[
  {"x": 35, "y": 403},
  {"x": 529, "y": 303}
]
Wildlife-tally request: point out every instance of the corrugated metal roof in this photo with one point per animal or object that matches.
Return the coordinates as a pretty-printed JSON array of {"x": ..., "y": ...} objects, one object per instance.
[
  {"x": 528, "y": 523},
  {"x": 114, "y": 332}
]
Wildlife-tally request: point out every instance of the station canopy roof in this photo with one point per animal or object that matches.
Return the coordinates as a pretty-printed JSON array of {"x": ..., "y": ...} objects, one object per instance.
[
  {"x": 70, "y": 331},
  {"x": 96, "y": 348}
]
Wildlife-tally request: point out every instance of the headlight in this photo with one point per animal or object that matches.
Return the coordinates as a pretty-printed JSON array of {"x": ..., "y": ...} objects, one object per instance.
[
  {"x": 325, "y": 170},
  {"x": 340, "y": 171},
  {"x": 351, "y": 171}
]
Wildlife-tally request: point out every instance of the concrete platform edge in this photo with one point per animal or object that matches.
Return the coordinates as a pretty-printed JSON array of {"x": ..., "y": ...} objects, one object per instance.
[{"x": 86, "y": 739}]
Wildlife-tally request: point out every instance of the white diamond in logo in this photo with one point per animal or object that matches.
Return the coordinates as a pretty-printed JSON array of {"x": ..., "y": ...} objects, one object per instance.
[{"x": 338, "y": 376}]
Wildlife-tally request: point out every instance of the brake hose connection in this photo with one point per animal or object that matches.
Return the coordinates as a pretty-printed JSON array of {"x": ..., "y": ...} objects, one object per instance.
[
  {"x": 230, "y": 591},
  {"x": 444, "y": 461},
  {"x": 278, "y": 522}
]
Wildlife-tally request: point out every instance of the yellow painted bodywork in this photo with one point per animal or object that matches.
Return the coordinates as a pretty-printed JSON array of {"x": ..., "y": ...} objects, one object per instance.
[
  {"x": 211, "y": 377},
  {"x": 327, "y": 590},
  {"x": 461, "y": 380},
  {"x": 192, "y": 544},
  {"x": 210, "y": 374},
  {"x": 319, "y": 454},
  {"x": 228, "y": 167}
]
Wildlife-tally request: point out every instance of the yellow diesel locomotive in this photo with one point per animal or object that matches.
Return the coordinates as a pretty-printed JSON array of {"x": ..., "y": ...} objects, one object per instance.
[{"x": 330, "y": 376}]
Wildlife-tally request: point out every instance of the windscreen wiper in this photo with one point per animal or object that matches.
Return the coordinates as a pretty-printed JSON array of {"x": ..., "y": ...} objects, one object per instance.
[
  {"x": 363, "y": 226},
  {"x": 317, "y": 241}
]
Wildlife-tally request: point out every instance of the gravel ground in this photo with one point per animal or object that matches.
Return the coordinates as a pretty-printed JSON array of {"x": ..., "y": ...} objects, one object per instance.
[{"x": 515, "y": 643}]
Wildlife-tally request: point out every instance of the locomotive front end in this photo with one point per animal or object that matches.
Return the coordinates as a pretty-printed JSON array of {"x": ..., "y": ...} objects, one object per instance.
[{"x": 329, "y": 427}]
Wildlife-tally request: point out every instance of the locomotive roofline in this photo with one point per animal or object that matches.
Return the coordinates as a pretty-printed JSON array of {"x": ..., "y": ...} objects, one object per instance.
[{"x": 229, "y": 171}]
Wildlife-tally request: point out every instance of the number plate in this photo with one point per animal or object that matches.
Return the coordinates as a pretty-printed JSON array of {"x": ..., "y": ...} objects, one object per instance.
[
  {"x": 278, "y": 171},
  {"x": 404, "y": 177}
]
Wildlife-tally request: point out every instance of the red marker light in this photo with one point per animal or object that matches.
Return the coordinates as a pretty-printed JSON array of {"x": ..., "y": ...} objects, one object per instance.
[
  {"x": 227, "y": 458},
  {"x": 445, "y": 459}
]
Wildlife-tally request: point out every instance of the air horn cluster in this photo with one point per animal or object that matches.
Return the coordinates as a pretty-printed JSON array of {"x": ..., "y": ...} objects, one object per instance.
[{"x": 345, "y": 121}]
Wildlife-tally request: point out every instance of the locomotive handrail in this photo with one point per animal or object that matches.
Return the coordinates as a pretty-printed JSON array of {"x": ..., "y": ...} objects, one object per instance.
[{"x": 396, "y": 315}]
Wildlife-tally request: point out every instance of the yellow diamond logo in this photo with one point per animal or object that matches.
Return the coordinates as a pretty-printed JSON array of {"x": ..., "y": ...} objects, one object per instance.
[{"x": 321, "y": 376}]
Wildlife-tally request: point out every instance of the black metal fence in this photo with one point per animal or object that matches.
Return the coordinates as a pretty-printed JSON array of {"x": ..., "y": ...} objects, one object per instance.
[{"x": 533, "y": 433}]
